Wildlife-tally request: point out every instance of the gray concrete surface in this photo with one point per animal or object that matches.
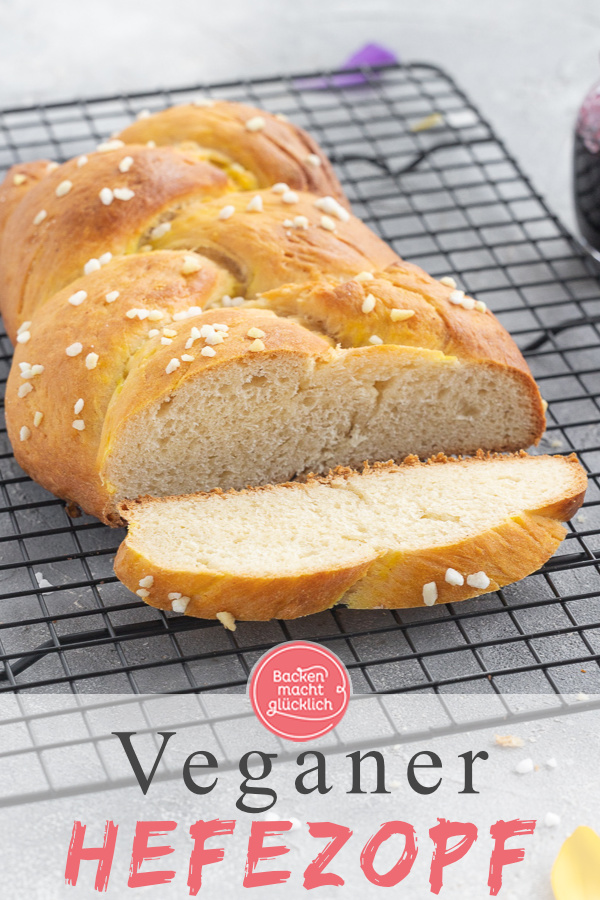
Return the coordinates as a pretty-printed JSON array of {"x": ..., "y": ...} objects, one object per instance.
[{"x": 527, "y": 63}]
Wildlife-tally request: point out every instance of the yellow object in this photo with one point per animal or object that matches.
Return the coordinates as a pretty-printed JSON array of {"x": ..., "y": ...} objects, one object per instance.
[
  {"x": 431, "y": 121},
  {"x": 576, "y": 870}
]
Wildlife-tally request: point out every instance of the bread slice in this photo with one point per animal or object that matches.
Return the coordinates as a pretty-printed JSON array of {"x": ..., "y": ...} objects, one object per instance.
[{"x": 387, "y": 537}]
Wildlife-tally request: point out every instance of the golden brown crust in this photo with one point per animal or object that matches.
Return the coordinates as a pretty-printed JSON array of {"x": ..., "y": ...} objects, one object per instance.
[
  {"x": 18, "y": 180},
  {"x": 518, "y": 547},
  {"x": 392, "y": 580},
  {"x": 37, "y": 260},
  {"x": 335, "y": 306},
  {"x": 277, "y": 152},
  {"x": 263, "y": 252}
]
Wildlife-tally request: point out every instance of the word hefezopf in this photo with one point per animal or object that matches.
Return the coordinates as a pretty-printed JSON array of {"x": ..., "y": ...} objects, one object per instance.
[{"x": 451, "y": 842}]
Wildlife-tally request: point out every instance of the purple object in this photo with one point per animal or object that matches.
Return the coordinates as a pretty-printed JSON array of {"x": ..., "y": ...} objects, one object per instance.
[
  {"x": 370, "y": 56},
  {"x": 586, "y": 174}
]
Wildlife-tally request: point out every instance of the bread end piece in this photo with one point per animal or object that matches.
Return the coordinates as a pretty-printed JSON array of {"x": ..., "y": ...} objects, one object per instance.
[{"x": 394, "y": 578}]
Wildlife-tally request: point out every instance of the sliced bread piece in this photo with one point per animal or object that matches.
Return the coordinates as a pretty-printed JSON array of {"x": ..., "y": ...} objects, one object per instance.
[{"x": 388, "y": 537}]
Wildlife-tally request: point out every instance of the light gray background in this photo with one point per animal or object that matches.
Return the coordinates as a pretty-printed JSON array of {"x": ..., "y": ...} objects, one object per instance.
[
  {"x": 36, "y": 835},
  {"x": 527, "y": 63}
]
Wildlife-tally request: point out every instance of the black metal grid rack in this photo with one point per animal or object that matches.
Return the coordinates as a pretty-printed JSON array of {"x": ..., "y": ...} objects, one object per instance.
[{"x": 452, "y": 198}]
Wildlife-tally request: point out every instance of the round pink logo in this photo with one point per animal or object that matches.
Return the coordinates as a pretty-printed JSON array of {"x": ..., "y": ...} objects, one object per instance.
[{"x": 299, "y": 690}]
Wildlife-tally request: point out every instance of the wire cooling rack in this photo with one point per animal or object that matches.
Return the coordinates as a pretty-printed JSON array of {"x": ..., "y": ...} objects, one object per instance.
[{"x": 425, "y": 170}]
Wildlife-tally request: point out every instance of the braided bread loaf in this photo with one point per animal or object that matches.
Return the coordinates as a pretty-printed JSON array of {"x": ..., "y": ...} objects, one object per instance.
[{"x": 194, "y": 307}]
